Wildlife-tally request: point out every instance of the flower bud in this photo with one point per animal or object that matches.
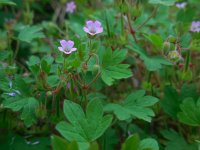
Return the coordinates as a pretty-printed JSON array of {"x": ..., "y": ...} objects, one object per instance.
[
  {"x": 172, "y": 39},
  {"x": 49, "y": 93},
  {"x": 174, "y": 56},
  {"x": 186, "y": 75},
  {"x": 136, "y": 11},
  {"x": 95, "y": 68},
  {"x": 166, "y": 47},
  {"x": 41, "y": 112},
  {"x": 84, "y": 66}
]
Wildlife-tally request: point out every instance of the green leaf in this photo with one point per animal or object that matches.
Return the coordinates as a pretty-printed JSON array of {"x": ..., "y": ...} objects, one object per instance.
[
  {"x": 22, "y": 86},
  {"x": 27, "y": 105},
  {"x": 163, "y": 2},
  {"x": 155, "y": 39},
  {"x": 84, "y": 128},
  {"x": 111, "y": 67},
  {"x": 172, "y": 99},
  {"x": 7, "y": 2},
  {"x": 4, "y": 55},
  {"x": 53, "y": 80},
  {"x": 131, "y": 143},
  {"x": 46, "y": 63},
  {"x": 190, "y": 112},
  {"x": 105, "y": 141},
  {"x": 11, "y": 141},
  {"x": 149, "y": 144},
  {"x": 94, "y": 146},
  {"x": 135, "y": 105},
  {"x": 153, "y": 63},
  {"x": 27, "y": 34},
  {"x": 185, "y": 40},
  {"x": 59, "y": 143},
  {"x": 176, "y": 141}
]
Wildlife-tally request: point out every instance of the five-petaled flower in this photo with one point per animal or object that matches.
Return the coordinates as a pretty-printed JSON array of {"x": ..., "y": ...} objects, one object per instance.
[
  {"x": 67, "y": 46},
  {"x": 70, "y": 7},
  {"x": 93, "y": 27},
  {"x": 195, "y": 26},
  {"x": 181, "y": 5}
]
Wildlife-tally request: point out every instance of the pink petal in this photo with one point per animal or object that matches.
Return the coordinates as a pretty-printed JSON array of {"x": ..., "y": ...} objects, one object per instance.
[
  {"x": 61, "y": 49},
  {"x": 70, "y": 44},
  {"x": 68, "y": 52},
  {"x": 89, "y": 23},
  {"x": 86, "y": 29},
  {"x": 63, "y": 43},
  {"x": 97, "y": 23},
  {"x": 100, "y": 30},
  {"x": 91, "y": 33},
  {"x": 73, "y": 49}
]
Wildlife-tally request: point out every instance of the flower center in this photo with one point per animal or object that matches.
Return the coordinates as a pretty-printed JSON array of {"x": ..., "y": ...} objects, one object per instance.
[
  {"x": 92, "y": 30},
  {"x": 67, "y": 49}
]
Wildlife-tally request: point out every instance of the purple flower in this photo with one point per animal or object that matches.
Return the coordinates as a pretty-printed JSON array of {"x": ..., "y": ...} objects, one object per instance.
[
  {"x": 181, "y": 5},
  {"x": 195, "y": 26},
  {"x": 68, "y": 85},
  {"x": 67, "y": 46},
  {"x": 93, "y": 27},
  {"x": 70, "y": 7},
  {"x": 12, "y": 94}
]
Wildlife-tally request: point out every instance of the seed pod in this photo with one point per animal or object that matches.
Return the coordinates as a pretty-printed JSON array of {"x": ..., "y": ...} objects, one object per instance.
[
  {"x": 49, "y": 93},
  {"x": 84, "y": 66},
  {"x": 174, "y": 56},
  {"x": 166, "y": 47},
  {"x": 172, "y": 39},
  {"x": 95, "y": 68}
]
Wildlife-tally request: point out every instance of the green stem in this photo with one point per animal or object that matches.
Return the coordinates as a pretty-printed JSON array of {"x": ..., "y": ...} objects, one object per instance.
[
  {"x": 122, "y": 24},
  {"x": 63, "y": 69},
  {"x": 58, "y": 107},
  {"x": 151, "y": 16},
  {"x": 187, "y": 60},
  {"x": 107, "y": 26},
  {"x": 16, "y": 51},
  {"x": 149, "y": 76}
]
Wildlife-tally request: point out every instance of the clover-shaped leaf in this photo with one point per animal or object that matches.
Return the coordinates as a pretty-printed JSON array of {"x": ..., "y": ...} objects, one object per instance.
[
  {"x": 190, "y": 112},
  {"x": 83, "y": 127},
  {"x": 152, "y": 63},
  {"x": 111, "y": 67},
  {"x": 27, "y": 34},
  {"x": 133, "y": 142},
  {"x": 135, "y": 105},
  {"x": 26, "y": 105}
]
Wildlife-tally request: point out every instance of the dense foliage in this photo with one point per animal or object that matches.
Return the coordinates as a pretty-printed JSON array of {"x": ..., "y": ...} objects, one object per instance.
[{"x": 99, "y": 74}]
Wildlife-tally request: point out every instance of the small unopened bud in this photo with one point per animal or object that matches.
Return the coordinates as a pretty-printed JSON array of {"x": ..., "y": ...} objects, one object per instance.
[
  {"x": 95, "y": 68},
  {"x": 68, "y": 85},
  {"x": 172, "y": 39},
  {"x": 84, "y": 66},
  {"x": 166, "y": 47},
  {"x": 187, "y": 75},
  {"x": 41, "y": 112},
  {"x": 49, "y": 93},
  {"x": 174, "y": 56}
]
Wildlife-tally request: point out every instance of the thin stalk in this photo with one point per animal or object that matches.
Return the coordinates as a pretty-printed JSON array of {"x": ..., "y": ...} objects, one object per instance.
[
  {"x": 187, "y": 61},
  {"x": 107, "y": 26},
  {"x": 132, "y": 31},
  {"x": 152, "y": 15},
  {"x": 58, "y": 107},
  {"x": 16, "y": 50}
]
